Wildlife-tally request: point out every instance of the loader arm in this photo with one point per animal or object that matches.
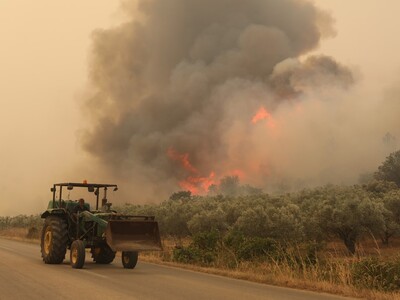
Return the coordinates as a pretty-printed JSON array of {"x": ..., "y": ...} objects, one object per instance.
[
  {"x": 91, "y": 217},
  {"x": 128, "y": 233}
]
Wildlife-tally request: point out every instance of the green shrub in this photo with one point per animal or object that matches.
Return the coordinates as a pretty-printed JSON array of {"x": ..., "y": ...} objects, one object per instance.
[
  {"x": 203, "y": 249},
  {"x": 185, "y": 255},
  {"x": 374, "y": 273},
  {"x": 206, "y": 241},
  {"x": 250, "y": 248},
  {"x": 256, "y": 247}
]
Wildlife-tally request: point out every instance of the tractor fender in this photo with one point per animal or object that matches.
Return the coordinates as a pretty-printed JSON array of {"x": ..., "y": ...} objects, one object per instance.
[{"x": 56, "y": 212}]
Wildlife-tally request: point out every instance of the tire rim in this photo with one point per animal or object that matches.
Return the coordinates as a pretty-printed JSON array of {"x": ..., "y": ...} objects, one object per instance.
[
  {"x": 48, "y": 237},
  {"x": 74, "y": 255},
  {"x": 126, "y": 259}
]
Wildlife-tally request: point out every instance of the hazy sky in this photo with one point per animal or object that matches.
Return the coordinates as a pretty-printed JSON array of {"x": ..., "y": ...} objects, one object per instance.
[
  {"x": 43, "y": 68},
  {"x": 367, "y": 37},
  {"x": 43, "y": 71}
]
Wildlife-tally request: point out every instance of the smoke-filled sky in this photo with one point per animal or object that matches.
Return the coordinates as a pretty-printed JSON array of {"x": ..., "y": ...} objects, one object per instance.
[{"x": 167, "y": 95}]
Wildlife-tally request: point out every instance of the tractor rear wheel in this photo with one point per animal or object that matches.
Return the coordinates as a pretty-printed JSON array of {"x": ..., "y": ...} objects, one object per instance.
[
  {"x": 77, "y": 254},
  {"x": 102, "y": 254},
  {"x": 129, "y": 259},
  {"x": 54, "y": 240}
]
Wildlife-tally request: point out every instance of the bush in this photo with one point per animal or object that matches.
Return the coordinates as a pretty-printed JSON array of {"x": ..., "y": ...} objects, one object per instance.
[
  {"x": 256, "y": 247},
  {"x": 203, "y": 250},
  {"x": 208, "y": 220},
  {"x": 373, "y": 273},
  {"x": 250, "y": 248},
  {"x": 206, "y": 241},
  {"x": 185, "y": 255}
]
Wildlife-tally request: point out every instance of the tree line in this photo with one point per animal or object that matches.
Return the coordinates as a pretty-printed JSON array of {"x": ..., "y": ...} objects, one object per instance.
[{"x": 316, "y": 215}]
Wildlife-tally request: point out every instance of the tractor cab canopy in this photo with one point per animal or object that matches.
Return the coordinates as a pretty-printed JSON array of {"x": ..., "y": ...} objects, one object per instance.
[{"x": 95, "y": 188}]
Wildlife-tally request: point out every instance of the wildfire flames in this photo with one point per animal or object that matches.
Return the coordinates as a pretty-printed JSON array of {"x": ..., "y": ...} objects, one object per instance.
[
  {"x": 199, "y": 184},
  {"x": 195, "y": 182},
  {"x": 263, "y": 114},
  {"x": 183, "y": 159}
]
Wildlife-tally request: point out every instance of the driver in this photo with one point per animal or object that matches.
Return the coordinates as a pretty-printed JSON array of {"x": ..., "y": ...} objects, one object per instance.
[{"x": 81, "y": 207}]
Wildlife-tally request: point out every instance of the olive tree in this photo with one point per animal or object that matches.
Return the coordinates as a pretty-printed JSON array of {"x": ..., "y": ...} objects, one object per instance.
[
  {"x": 229, "y": 186},
  {"x": 280, "y": 222},
  {"x": 347, "y": 213},
  {"x": 390, "y": 169},
  {"x": 181, "y": 195},
  {"x": 391, "y": 203},
  {"x": 174, "y": 216},
  {"x": 254, "y": 221},
  {"x": 208, "y": 221}
]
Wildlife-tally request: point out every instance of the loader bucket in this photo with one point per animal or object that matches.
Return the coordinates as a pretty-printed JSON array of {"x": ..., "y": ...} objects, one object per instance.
[{"x": 133, "y": 235}]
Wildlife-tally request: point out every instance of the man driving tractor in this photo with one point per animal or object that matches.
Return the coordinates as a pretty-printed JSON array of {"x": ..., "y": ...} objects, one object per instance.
[{"x": 81, "y": 207}]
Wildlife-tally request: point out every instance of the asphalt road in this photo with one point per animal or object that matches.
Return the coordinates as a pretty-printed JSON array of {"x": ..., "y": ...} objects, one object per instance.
[{"x": 23, "y": 275}]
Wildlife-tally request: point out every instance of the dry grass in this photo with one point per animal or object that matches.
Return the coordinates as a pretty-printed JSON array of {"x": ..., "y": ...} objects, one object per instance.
[
  {"x": 19, "y": 234},
  {"x": 333, "y": 277},
  {"x": 14, "y": 232}
]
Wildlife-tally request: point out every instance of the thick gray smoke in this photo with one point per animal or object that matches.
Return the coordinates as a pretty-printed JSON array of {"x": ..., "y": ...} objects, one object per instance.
[{"x": 175, "y": 92}]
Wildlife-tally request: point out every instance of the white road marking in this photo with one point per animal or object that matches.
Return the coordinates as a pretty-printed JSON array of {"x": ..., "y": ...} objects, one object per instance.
[
  {"x": 95, "y": 274},
  {"x": 6, "y": 248}
]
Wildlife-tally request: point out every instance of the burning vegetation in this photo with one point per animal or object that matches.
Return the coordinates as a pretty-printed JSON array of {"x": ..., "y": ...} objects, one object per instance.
[{"x": 179, "y": 94}]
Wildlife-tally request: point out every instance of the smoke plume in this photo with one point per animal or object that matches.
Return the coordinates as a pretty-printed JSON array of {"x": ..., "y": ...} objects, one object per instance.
[{"x": 187, "y": 92}]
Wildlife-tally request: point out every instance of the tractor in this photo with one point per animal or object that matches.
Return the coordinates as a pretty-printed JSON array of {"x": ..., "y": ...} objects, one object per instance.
[{"x": 74, "y": 225}]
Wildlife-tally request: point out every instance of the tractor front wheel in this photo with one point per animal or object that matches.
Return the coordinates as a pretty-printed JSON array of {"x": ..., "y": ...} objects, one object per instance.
[
  {"x": 77, "y": 254},
  {"x": 129, "y": 259}
]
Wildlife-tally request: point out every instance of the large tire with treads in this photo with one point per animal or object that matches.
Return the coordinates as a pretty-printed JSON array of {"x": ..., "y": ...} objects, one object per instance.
[
  {"x": 54, "y": 240},
  {"x": 129, "y": 259},
  {"x": 77, "y": 254},
  {"x": 102, "y": 254}
]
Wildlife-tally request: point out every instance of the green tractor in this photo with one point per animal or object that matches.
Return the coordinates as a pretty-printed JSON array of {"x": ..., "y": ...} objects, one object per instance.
[{"x": 73, "y": 225}]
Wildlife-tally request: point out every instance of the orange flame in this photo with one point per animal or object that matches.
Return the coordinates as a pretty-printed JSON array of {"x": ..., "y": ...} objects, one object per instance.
[
  {"x": 183, "y": 158},
  {"x": 263, "y": 114},
  {"x": 195, "y": 182}
]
